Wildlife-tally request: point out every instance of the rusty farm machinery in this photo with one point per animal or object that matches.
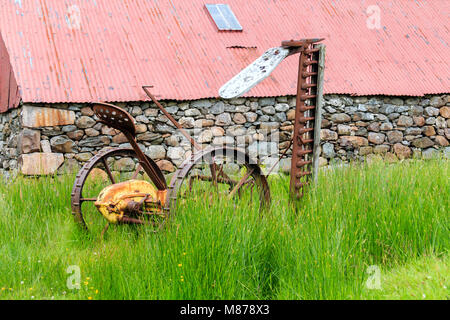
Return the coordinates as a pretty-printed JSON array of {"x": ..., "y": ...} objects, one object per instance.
[{"x": 142, "y": 196}]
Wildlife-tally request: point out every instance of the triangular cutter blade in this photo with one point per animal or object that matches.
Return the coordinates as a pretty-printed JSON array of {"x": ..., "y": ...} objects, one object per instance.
[{"x": 256, "y": 72}]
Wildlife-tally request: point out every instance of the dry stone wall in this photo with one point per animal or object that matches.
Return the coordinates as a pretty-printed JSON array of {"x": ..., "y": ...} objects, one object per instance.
[{"x": 58, "y": 138}]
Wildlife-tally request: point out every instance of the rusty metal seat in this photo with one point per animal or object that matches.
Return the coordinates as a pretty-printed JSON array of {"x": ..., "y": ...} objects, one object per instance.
[
  {"x": 115, "y": 117},
  {"x": 121, "y": 120}
]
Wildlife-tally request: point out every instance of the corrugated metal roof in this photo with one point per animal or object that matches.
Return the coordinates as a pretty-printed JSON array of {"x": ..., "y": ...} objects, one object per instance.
[
  {"x": 9, "y": 91},
  {"x": 91, "y": 50}
]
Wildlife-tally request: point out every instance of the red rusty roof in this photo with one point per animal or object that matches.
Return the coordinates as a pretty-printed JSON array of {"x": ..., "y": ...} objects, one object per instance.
[
  {"x": 91, "y": 50},
  {"x": 9, "y": 93}
]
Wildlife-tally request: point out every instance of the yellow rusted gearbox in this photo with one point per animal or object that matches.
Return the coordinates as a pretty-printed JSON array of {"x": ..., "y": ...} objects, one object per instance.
[{"x": 127, "y": 200}]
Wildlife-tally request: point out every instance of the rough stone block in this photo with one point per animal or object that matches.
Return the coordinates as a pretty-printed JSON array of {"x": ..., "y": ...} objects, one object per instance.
[
  {"x": 29, "y": 141},
  {"x": 353, "y": 141},
  {"x": 38, "y": 117},
  {"x": 340, "y": 118},
  {"x": 445, "y": 112},
  {"x": 395, "y": 136},
  {"x": 69, "y": 166},
  {"x": 62, "y": 144},
  {"x": 40, "y": 163},
  {"x": 441, "y": 141},
  {"x": 327, "y": 135},
  {"x": 166, "y": 165},
  {"x": 405, "y": 121},
  {"x": 402, "y": 151},
  {"x": 423, "y": 143},
  {"x": 156, "y": 152},
  {"x": 376, "y": 138}
]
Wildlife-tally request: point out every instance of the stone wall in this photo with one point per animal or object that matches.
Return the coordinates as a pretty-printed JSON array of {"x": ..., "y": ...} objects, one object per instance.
[
  {"x": 9, "y": 131},
  {"x": 390, "y": 127},
  {"x": 61, "y": 137}
]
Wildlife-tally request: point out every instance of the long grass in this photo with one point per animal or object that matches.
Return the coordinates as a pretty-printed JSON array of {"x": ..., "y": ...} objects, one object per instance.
[{"x": 318, "y": 248}]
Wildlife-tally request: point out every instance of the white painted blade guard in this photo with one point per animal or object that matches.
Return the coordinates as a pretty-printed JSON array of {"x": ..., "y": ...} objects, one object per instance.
[{"x": 256, "y": 72}]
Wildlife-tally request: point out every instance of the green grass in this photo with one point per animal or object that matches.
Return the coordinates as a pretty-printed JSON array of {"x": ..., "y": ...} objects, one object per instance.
[
  {"x": 392, "y": 216},
  {"x": 424, "y": 278}
]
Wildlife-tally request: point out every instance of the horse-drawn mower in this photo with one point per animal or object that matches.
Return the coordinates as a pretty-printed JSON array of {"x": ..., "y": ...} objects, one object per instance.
[{"x": 141, "y": 195}]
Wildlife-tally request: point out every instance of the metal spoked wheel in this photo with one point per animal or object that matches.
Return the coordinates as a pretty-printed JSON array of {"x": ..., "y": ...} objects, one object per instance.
[
  {"x": 224, "y": 173},
  {"x": 104, "y": 169}
]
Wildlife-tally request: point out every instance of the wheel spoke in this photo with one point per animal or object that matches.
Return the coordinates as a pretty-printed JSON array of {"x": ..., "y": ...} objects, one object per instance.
[
  {"x": 88, "y": 199},
  {"x": 104, "y": 230},
  {"x": 108, "y": 171},
  {"x": 240, "y": 183},
  {"x": 136, "y": 172},
  {"x": 223, "y": 174},
  {"x": 220, "y": 171},
  {"x": 213, "y": 168}
]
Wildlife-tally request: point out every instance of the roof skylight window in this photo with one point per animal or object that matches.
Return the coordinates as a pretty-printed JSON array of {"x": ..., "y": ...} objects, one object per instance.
[{"x": 223, "y": 17}]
